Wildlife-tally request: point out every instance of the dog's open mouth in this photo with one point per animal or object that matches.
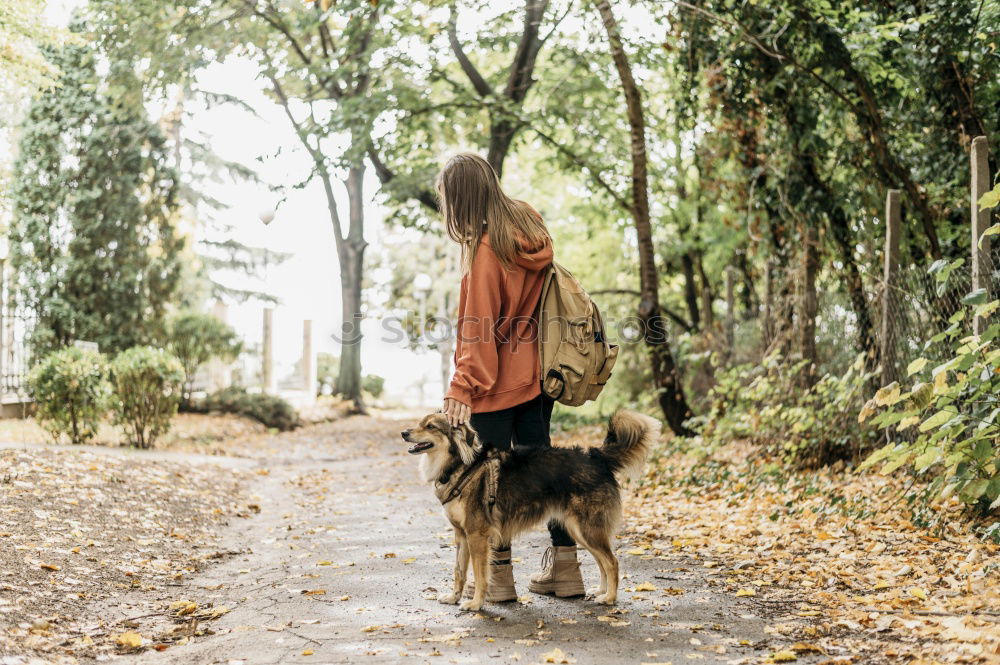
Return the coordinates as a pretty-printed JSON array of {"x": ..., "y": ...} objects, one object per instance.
[{"x": 420, "y": 447}]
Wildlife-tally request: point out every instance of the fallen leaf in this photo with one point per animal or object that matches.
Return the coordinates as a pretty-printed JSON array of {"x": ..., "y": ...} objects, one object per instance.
[
  {"x": 557, "y": 656},
  {"x": 129, "y": 640}
]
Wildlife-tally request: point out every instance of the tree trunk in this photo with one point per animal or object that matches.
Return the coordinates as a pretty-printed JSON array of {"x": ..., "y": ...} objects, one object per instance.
[
  {"x": 888, "y": 165},
  {"x": 808, "y": 304},
  {"x": 351, "y": 252},
  {"x": 690, "y": 290},
  {"x": 843, "y": 237},
  {"x": 665, "y": 373}
]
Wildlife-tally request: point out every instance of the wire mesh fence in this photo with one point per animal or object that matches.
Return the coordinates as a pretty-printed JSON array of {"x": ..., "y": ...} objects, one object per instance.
[{"x": 892, "y": 324}]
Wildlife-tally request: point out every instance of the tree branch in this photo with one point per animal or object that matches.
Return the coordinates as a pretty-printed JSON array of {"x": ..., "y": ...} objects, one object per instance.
[
  {"x": 523, "y": 65},
  {"x": 673, "y": 316},
  {"x": 759, "y": 45},
  {"x": 318, "y": 160},
  {"x": 580, "y": 162},
  {"x": 480, "y": 85},
  {"x": 385, "y": 176}
]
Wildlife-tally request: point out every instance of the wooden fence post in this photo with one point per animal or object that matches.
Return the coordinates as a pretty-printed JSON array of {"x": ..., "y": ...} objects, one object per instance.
[
  {"x": 981, "y": 184},
  {"x": 308, "y": 360},
  {"x": 730, "y": 314},
  {"x": 267, "y": 352},
  {"x": 890, "y": 298}
]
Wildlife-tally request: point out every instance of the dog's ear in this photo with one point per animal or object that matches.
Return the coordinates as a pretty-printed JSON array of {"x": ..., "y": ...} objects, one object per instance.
[{"x": 467, "y": 443}]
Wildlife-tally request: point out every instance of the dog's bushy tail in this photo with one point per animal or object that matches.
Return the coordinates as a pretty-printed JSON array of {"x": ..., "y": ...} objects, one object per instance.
[{"x": 630, "y": 436}]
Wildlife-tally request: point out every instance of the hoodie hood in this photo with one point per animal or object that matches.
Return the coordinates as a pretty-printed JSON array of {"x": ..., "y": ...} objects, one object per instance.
[
  {"x": 530, "y": 258},
  {"x": 535, "y": 259}
]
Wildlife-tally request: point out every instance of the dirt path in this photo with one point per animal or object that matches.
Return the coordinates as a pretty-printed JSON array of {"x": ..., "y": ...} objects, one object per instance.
[{"x": 348, "y": 551}]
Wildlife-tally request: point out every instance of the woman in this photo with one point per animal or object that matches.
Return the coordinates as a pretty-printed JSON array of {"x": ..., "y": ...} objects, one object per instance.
[{"x": 496, "y": 385}]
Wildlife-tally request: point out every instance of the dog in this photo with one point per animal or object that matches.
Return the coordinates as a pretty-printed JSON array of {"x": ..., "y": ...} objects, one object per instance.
[{"x": 488, "y": 494}]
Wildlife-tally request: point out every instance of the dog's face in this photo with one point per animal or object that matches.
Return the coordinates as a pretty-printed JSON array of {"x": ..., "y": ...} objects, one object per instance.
[
  {"x": 441, "y": 442},
  {"x": 433, "y": 431}
]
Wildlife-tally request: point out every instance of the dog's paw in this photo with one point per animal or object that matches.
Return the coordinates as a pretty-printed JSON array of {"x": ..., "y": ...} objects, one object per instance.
[
  {"x": 605, "y": 599},
  {"x": 470, "y": 605},
  {"x": 448, "y": 598}
]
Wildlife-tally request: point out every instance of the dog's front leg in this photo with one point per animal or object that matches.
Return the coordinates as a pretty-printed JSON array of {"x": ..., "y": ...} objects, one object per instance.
[
  {"x": 461, "y": 568},
  {"x": 479, "y": 551}
]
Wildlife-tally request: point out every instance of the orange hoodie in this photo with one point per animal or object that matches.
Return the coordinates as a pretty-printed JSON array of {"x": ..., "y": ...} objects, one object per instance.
[{"x": 496, "y": 352}]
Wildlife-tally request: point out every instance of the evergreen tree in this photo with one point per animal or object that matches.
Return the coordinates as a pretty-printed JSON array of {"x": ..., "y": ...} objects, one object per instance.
[{"x": 93, "y": 246}]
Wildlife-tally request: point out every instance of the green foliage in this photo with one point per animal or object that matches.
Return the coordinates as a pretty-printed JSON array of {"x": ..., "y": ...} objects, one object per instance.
[
  {"x": 147, "y": 384},
  {"x": 270, "y": 410},
  {"x": 773, "y": 404},
  {"x": 327, "y": 368},
  {"x": 195, "y": 338},
  {"x": 92, "y": 239},
  {"x": 23, "y": 30},
  {"x": 373, "y": 384},
  {"x": 945, "y": 426},
  {"x": 72, "y": 393}
]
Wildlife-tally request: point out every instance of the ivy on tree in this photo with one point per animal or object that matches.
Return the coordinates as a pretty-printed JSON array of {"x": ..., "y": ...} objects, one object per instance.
[{"x": 92, "y": 243}]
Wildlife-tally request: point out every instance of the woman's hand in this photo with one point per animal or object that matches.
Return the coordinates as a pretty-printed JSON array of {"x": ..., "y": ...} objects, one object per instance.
[{"x": 458, "y": 413}]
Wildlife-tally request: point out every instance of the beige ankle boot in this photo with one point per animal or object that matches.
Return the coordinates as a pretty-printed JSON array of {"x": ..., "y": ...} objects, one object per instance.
[
  {"x": 560, "y": 574},
  {"x": 501, "y": 585}
]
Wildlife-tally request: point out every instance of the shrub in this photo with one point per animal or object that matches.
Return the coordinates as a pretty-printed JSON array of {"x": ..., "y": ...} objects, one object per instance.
[
  {"x": 71, "y": 391},
  {"x": 769, "y": 405},
  {"x": 327, "y": 368},
  {"x": 373, "y": 384},
  {"x": 270, "y": 410},
  {"x": 947, "y": 424},
  {"x": 195, "y": 338},
  {"x": 147, "y": 383}
]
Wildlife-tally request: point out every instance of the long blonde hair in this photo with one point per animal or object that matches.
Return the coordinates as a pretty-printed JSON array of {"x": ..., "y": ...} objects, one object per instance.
[{"x": 473, "y": 204}]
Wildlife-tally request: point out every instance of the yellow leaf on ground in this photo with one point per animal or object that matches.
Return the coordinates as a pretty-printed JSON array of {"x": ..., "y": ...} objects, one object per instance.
[
  {"x": 882, "y": 584},
  {"x": 645, "y": 586},
  {"x": 557, "y": 656},
  {"x": 917, "y": 592},
  {"x": 129, "y": 640},
  {"x": 784, "y": 656},
  {"x": 50, "y": 566},
  {"x": 410, "y": 560},
  {"x": 370, "y": 629},
  {"x": 746, "y": 592},
  {"x": 325, "y": 563},
  {"x": 635, "y": 551},
  {"x": 307, "y": 652},
  {"x": 183, "y": 607}
]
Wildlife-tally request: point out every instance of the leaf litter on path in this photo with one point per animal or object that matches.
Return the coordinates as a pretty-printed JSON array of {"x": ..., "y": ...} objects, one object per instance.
[{"x": 80, "y": 529}]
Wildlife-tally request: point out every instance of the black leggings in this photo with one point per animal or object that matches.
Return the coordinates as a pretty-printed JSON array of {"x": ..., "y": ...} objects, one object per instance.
[{"x": 522, "y": 428}]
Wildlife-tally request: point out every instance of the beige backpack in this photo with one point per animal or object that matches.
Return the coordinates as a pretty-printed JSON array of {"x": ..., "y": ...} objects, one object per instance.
[{"x": 575, "y": 355}]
